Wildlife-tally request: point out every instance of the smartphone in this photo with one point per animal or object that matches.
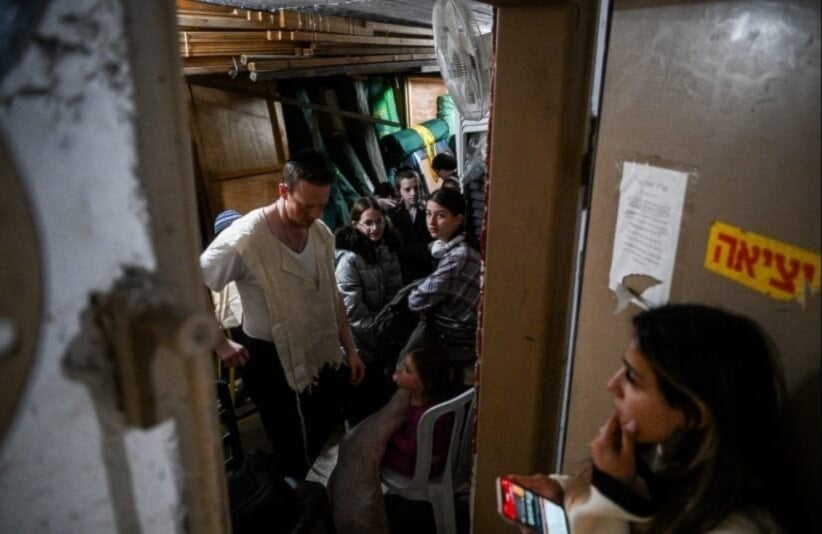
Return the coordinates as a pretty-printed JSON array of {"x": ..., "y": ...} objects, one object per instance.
[{"x": 524, "y": 507}]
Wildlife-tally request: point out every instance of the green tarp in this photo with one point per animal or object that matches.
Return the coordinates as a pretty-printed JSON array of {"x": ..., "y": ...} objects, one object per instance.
[
  {"x": 383, "y": 105},
  {"x": 397, "y": 146}
]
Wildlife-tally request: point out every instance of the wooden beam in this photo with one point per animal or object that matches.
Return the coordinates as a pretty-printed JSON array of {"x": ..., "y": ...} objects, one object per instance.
[
  {"x": 318, "y": 22},
  {"x": 327, "y": 49},
  {"x": 243, "y": 173},
  {"x": 191, "y": 5},
  {"x": 340, "y": 38},
  {"x": 527, "y": 300},
  {"x": 368, "y": 68},
  {"x": 198, "y": 66},
  {"x": 398, "y": 29},
  {"x": 334, "y": 111},
  {"x": 216, "y": 48},
  {"x": 245, "y": 59},
  {"x": 185, "y": 20},
  {"x": 307, "y": 63}
]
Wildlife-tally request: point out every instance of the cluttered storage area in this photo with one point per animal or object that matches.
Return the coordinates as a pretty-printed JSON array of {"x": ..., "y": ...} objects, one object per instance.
[{"x": 369, "y": 95}]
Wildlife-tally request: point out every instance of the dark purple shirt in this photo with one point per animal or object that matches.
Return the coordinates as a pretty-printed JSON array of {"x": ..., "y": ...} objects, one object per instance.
[{"x": 401, "y": 452}]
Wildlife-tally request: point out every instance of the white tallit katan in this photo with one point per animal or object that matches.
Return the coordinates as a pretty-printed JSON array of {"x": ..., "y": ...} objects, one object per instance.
[{"x": 302, "y": 307}]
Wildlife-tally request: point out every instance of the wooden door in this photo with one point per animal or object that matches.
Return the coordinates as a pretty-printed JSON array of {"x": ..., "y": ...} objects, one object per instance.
[
  {"x": 240, "y": 148},
  {"x": 727, "y": 95}
]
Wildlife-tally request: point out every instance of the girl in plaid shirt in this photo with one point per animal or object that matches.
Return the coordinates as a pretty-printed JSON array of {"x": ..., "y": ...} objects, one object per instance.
[{"x": 447, "y": 299}]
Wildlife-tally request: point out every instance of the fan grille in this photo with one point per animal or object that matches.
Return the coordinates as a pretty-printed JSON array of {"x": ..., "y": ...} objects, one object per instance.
[{"x": 463, "y": 57}]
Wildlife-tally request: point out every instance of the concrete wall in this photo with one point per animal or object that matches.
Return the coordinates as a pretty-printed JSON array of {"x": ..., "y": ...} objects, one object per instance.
[{"x": 68, "y": 463}]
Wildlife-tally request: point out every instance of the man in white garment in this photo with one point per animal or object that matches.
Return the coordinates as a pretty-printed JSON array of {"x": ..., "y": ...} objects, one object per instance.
[{"x": 295, "y": 332}]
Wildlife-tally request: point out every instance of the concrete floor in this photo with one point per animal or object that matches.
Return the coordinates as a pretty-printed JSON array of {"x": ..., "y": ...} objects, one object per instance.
[{"x": 406, "y": 517}]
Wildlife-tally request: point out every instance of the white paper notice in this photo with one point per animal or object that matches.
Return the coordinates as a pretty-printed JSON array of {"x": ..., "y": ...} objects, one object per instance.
[{"x": 647, "y": 233}]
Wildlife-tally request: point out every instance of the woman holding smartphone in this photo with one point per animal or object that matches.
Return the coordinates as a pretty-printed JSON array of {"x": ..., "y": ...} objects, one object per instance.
[{"x": 694, "y": 441}]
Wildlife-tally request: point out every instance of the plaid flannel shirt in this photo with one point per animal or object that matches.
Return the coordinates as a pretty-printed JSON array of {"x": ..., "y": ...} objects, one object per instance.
[{"x": 452, "y": 292}]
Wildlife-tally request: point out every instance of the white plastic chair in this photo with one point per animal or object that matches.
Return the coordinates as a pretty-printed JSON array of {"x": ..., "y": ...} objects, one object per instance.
[{"x": 439, "y": 490}]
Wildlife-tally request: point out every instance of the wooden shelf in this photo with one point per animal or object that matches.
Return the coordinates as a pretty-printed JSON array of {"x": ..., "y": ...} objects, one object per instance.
[{"x": 222, "y": 40}]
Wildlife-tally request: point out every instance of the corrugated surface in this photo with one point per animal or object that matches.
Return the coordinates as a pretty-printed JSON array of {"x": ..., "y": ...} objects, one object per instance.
[{"x": 399, "y": 11}]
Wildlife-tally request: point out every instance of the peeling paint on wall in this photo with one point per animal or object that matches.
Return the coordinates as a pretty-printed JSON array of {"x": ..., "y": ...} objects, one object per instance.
[
  {"x": 646, "y": 236},
  {"x": 67, "y": 118}
]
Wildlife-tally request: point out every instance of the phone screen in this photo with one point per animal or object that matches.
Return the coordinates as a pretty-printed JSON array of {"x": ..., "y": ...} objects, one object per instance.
[{"x": 524, "y": 507}]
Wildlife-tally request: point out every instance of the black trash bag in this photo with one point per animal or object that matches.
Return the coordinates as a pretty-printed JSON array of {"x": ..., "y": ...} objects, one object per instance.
[
  {"x": 395, "y": 322},
  {"x": 260, "y": 498}
]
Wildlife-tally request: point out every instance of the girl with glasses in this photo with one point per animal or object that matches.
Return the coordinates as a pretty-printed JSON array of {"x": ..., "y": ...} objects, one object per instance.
[{"x": 368, "y": 276}]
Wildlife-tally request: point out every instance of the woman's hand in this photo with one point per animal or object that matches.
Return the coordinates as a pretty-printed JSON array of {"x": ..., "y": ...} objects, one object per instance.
[
  {"x": 542, "y": 485},
  {"x": 613, "y": 449}
]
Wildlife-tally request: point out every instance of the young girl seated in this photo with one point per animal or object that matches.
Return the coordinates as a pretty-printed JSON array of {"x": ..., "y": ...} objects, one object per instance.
[
  {"x": 693, "y": 443},
  {"x": 389, "y": 436},
  {"x": 424, "y": 372}
]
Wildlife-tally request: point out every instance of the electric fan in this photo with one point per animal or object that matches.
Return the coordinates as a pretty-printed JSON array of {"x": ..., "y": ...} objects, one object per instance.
[{"x": 464, "y": 57}]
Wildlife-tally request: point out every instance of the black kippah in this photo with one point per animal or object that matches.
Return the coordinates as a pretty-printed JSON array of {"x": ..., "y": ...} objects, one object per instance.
[{"x": 307, "y": 157}]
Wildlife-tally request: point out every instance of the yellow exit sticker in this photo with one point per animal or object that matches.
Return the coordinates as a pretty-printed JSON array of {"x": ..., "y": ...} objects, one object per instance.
[{"x": 761, "y": 263}]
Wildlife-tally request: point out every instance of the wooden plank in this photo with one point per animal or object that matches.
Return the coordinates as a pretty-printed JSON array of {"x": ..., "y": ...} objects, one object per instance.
[
  {"x": 307, "y": 63},
  {"x": 288, "y": 19},
  {"x": 244, "y": 194},
  {"x": 214, "y": 60},
  {"x": 235, "y": 133},
  {"x": 235, "y": 49},
  {"x": 282, "y": 20},
  {"x": 185, "y": 20},
  {"x": 205, "y": 36},
  {"x": 326, "y": 49},
  {"x": 275, "y": 109},
  {"x": 191, "y": 5},
  {"x": 421, "y": 94},
  {"x": 387, "y": 28},
  {"x": 341, "y": 38},
  {"x": 366, "y": 68},
  {"x": 245, "y": 59},
  {"x": 240, "y": 86},
  {"x": 332, "y": 110},
  {"x": 244, "y": 173},
  {"x": 228, "y": 69},
  {"x": 318, "y": 22}
]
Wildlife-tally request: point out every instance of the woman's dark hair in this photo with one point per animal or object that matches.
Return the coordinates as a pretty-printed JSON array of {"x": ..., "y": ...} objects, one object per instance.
[
  {"x": 444, "y": 161},
  {"x": 361, "y": 244},
  {"x": 454, "y": 202},
  {"x": 431, "y": 363},
  {"x": 450, "y": 199},
  {"x": 450, "y": 183},
  {"x": 362, "y": 205},
  {"x": 730, "y": 458},
  {"x": 385, "y": 190},
  {"x": 405, "y": 173}
]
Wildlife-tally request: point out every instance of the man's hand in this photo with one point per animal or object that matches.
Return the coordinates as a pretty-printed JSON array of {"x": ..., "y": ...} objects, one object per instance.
[
  {"x": 356, "y": 368},
  {"x": 386, "y": 203},
  {"x": 231, "y": 353},
  {"x": 613, "y": 450}
]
